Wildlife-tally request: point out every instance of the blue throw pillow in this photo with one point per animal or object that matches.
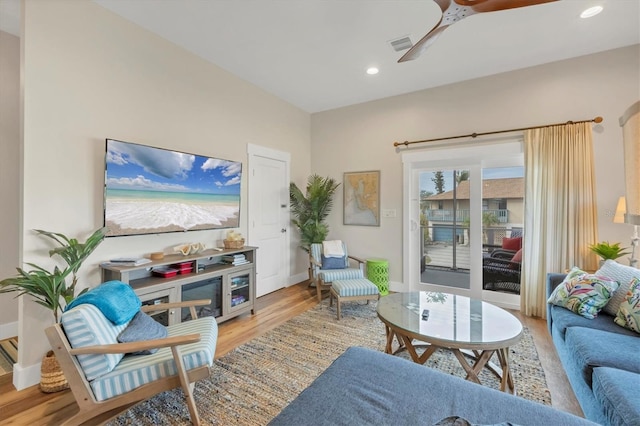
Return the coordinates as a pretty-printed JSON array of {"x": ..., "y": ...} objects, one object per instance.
[
  {"x": 333, "y": 262},
  {"x": 142, "y": 327},
  {"x": 116, "y": 300}
]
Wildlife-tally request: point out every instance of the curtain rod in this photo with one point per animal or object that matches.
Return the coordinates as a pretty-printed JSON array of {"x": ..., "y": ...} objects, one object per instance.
[{"x": 475, "y": 135}]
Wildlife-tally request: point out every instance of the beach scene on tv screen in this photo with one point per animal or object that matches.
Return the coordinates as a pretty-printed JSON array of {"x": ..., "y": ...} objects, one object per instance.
[{"x": 152, "y": 190}]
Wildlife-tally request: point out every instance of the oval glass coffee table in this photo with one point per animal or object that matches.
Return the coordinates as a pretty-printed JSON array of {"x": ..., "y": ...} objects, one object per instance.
[{"x": 467, "y": 327}]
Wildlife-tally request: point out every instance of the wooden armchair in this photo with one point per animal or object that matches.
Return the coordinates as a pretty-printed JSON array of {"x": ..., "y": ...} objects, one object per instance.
[{"x": 184, "y": 357}]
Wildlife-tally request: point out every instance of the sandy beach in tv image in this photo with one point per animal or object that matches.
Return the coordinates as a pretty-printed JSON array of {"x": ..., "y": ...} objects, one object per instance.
[{"x": 152, "y": 190}]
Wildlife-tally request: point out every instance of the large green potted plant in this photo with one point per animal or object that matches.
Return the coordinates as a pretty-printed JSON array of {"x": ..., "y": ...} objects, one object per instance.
[
  {"x": 311, "y": 209},
  {"x": 50, "y": 289}
]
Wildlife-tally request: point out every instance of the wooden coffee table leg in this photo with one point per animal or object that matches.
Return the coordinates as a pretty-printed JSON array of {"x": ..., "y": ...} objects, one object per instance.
[
  {"x": 480, "y": 362},
  {"x": 412, "y": 350},
  {"x": 390, "y": 334},
  {"x": 506, "y": 383}
]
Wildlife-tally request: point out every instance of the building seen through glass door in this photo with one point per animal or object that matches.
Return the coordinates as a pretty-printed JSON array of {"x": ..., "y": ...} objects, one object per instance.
[{"x": 445, "y": 221}]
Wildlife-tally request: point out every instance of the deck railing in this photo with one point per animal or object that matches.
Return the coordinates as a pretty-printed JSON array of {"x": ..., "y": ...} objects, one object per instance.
[{"x": 461, "y": 215}]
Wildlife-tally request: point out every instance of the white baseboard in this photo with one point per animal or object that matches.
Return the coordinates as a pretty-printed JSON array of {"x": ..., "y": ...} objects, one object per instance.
[
  {"x": 24, "y": 377},
  {"x": 295, "y": 279},
  {"x": 8, "y": 330},
  {"x": 398, "y": 287}
]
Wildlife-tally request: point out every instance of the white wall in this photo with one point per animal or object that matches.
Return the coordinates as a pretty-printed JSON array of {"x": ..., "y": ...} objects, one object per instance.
[
  {"x": 91, "y": 75},
  {"x": 360, "y": 137},
  {"x": 9, "y": 176}
]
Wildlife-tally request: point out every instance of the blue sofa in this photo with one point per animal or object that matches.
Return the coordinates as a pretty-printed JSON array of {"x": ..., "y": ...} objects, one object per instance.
[
  {"x": 365, "y": 387},
  {"x": 601, "y": 359}
]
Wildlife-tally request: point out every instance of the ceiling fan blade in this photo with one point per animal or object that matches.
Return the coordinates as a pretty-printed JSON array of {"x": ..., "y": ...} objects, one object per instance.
[
  {"x": 480, "y": 6},
  {"x": 456, "y": 10},
  {"x": 451, "y": 13},
  {"x": 423, "y": 44}
]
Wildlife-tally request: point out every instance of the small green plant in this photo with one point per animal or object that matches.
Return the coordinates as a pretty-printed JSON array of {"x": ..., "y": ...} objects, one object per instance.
[
  {"x": 607, "y": 250},
  {"x": 50, "y": 289}
]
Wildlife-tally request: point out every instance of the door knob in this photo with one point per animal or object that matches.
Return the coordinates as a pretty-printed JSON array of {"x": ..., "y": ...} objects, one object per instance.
[{"x": 283, "y": 230}]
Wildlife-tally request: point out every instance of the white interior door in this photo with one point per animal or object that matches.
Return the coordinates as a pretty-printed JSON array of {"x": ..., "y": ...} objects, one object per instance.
[{"x": 269, "y": 217}]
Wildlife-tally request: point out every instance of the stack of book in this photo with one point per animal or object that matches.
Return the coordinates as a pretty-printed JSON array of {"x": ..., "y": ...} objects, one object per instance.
[
  {"x": 127, "y": 261},
  {"x": 235, "y": 259}
]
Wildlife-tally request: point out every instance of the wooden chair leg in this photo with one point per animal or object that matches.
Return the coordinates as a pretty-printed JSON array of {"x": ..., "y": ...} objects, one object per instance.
[
  {"x": 338, "y": 306},
  {"x": 319, "y": 289},
  {"x": 186, "y": 386}
]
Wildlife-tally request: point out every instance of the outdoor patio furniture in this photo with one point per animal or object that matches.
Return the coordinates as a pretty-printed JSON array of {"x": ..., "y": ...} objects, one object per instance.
[{"x": 500, "y": 272}]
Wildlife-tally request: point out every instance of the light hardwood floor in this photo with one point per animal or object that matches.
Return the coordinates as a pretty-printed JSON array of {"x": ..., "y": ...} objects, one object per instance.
[{"x": 32, "y": 407}]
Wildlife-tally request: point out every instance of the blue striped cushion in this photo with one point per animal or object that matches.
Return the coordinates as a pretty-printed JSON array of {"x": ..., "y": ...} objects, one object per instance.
[
  {"x": 332, "y": 275},
  {"x": 85, "y": 325},
  {"x": 135, "y": 371},
  {"x": 360, "y": 287}
]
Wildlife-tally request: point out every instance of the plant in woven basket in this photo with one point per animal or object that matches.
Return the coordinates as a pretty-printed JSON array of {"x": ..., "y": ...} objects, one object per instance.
[
  {"x": 311, "y": 210},
  {"x": 49, "y": 288}
]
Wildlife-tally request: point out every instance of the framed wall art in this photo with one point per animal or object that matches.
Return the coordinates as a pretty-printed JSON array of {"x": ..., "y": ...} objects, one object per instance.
[{"x": 362, "y": 198}]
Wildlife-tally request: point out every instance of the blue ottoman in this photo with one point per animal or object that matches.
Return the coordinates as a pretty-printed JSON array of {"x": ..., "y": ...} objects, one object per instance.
[{"x": 351, "y": 290}]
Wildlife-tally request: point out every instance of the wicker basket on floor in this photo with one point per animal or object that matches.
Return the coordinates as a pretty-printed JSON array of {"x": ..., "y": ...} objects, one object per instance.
[{"x": 51, "y": 376}]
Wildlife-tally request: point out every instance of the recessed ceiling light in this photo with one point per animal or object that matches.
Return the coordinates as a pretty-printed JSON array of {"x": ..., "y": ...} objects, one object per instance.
[
  {"x": 372, "y": 70},
  {"x": 592, "y": 11}
]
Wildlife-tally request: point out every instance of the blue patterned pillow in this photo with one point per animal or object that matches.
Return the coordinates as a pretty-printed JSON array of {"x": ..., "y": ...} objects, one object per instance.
[
  {"x": 628, "y": 315},
  {"x": 333, "y": 262},
  {"x": 583, "y": 293}
]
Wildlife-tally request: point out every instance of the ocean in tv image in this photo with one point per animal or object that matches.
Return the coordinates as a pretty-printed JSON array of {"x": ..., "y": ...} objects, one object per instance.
[{"x": 152, "y": 190}]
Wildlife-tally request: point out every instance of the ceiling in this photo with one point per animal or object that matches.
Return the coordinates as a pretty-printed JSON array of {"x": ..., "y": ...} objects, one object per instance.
[{"x": 314, "y": 53}]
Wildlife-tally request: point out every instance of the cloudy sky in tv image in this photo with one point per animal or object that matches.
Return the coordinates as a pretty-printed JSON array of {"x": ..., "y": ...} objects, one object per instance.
[{"x": 143, "y": 168}]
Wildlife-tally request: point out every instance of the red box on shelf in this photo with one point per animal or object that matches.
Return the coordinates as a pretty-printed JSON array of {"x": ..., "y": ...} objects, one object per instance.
[
  {"x": 165, "y": 272},
  {"x": 183, "y": 267}
]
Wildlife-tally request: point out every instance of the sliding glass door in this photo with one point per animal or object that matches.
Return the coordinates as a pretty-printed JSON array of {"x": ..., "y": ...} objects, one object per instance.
[
  {"x": 464, "y": 218},
  {"x": 444, "y": 223}
]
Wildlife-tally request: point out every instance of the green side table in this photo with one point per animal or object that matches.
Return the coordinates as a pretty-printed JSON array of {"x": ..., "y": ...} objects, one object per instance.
[{"x": 378, "y": 273}]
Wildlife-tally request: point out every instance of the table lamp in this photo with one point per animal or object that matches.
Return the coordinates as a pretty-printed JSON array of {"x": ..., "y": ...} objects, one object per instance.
[
  {"x": 630, "y": 123},
  {"x": 619, "y": 217}
]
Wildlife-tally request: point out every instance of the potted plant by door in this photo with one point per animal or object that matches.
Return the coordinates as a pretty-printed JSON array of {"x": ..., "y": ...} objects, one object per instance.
[
  {"x": 311, "y": 209},
  {"x": 50, "y": 290}
]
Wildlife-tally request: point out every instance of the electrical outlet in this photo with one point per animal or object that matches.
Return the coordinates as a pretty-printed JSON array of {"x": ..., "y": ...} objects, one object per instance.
[{"x": 389, "y": 213}]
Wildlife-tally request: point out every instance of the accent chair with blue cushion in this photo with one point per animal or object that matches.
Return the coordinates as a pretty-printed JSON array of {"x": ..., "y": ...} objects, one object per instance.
[
  {"x": 325, "y": 270},
  {"x": 107, "y": 377}
]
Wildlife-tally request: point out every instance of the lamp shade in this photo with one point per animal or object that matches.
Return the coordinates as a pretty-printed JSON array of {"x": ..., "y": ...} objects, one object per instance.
[
  {"x": 621, "y": 209},
  {"x": 630, "y": 123}
]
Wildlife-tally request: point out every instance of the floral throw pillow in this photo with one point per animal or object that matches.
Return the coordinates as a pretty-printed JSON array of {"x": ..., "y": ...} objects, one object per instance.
[
  {"x": 629, "y": 311},
  {"x": 583, "y": 293}
]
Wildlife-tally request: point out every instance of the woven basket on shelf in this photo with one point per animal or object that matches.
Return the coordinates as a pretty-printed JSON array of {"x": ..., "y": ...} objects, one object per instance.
[
  {"x": 233, "y": 244},
  {"x": 51, "y": 376}
]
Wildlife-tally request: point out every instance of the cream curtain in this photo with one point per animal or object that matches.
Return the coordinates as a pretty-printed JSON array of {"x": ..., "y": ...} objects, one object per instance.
[{"x": 560, "y": 208}]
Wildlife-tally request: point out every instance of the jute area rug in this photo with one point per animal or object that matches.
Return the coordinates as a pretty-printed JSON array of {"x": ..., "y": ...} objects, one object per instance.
[{"x": 254, "y": 382}]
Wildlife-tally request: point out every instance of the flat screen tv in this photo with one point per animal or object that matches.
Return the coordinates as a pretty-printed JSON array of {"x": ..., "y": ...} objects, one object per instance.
[{"x": 153, "y": 190}]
